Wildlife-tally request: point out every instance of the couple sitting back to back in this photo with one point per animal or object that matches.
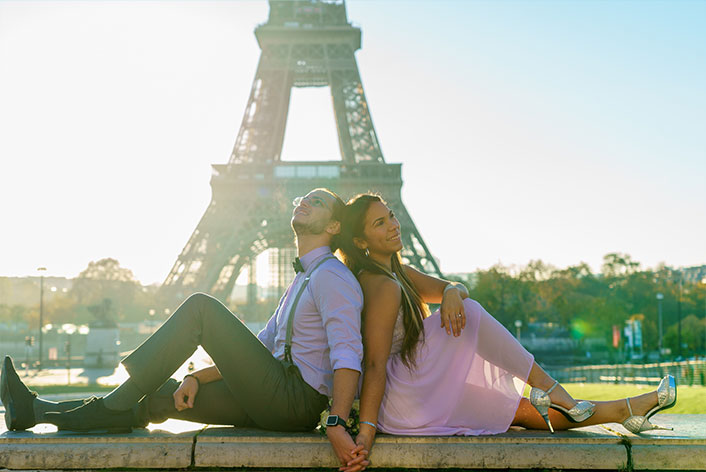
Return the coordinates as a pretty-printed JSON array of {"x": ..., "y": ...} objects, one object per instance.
[{"x": 457, "y": 371}]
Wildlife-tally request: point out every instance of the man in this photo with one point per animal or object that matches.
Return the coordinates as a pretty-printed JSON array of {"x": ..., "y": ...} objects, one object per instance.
[{"x": 280, "y": 380}]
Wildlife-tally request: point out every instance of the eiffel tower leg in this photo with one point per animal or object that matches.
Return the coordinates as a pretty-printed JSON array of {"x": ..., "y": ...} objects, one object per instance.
[
  {"x": 356, "y": 133},
  {"x": 262, "y": 132},
  {"x": 415, "y": 250}
]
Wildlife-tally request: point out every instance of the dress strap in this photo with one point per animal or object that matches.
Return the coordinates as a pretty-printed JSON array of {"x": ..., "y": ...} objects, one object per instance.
[{"x": 290, "y": 320}]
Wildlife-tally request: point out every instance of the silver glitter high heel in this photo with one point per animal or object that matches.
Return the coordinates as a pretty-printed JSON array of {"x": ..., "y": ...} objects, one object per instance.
[
  {"x": 666, "y": 398},
  {"x": 541, "y": 401}
]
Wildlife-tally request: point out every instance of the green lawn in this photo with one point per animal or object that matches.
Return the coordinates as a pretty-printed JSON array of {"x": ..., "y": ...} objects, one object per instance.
[{"x": 689, "y": 399}]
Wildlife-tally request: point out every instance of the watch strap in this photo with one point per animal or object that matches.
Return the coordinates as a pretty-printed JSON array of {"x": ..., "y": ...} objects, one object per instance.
[{"x": 339, "y": 421}]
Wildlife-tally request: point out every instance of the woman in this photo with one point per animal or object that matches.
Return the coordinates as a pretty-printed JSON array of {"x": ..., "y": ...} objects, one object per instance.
[{"x": 420, "y": 381}]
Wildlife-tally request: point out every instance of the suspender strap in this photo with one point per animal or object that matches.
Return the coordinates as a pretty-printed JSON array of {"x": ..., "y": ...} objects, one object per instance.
[{"x": 290, "y": 320}]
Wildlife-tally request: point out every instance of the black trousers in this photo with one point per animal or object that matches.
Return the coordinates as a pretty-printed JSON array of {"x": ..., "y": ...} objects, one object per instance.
[{"x": 257, "y": 390}]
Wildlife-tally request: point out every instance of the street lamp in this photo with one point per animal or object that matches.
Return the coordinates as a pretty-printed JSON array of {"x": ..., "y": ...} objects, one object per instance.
[
  {"x": 681, "y": 282},
  {"x": 41, "y": 271},
  {"x": 660, "y": 297},
  {"x": 518, "y": 325}
]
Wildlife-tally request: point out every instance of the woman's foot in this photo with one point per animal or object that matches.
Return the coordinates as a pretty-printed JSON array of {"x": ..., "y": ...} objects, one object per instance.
[
  {"x": 560, "y": 397},
  {"x": 639, "y": 409},
  {"x": 640, "y": 404},
  {"x": 574, "y": 411}
]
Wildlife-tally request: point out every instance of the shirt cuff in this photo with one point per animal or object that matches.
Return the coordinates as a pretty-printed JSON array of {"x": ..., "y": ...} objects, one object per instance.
[{"x": 346, "y": 361}]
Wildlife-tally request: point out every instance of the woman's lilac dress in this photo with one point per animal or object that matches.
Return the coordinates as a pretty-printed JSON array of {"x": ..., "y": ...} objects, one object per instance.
[{"x": 466, "y": 385}]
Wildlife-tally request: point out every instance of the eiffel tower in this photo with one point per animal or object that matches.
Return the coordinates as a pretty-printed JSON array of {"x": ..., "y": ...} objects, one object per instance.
[{"x": 305, "y": 43}]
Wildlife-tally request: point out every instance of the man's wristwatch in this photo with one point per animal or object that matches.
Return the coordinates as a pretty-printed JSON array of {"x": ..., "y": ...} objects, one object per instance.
[{"x": 335, "y": 420}]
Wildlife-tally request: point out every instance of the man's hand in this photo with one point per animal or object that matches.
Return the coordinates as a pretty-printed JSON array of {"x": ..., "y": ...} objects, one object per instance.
[
  {"x": 364, "y": 444},
  {"x": 346, "y": 450},
  {"x": 186, "y": 394}
]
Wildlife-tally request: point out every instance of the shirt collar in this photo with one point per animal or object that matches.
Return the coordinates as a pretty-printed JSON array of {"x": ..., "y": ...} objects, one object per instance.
[{"x": 308, "y": 258}]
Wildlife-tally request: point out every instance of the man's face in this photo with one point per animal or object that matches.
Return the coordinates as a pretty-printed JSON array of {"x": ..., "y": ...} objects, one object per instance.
[{"x": 312, "y": 213}]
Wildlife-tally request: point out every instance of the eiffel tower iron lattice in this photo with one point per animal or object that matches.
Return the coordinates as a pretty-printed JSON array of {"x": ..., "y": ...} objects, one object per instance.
[{"x": 304, "y": 44}]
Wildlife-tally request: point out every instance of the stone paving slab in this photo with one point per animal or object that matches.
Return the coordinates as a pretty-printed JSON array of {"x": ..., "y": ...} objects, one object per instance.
[
  {"x": 591, "y": 447},
  {"x": 168, "y": 446}
]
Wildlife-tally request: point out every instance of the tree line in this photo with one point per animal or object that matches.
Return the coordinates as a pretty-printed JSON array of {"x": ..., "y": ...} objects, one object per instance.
[{"x": 587, "y": 305}]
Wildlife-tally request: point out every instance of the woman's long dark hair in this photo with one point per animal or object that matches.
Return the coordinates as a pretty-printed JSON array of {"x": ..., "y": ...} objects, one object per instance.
[{"x": 414, "y": 310}]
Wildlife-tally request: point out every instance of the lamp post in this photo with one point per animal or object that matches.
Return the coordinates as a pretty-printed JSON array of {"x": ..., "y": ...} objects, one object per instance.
[
  {"x": 660, "y": 297},
  {"x": 518, "y": 325},
  {"x": 703, "y": 281},
  {"x": 41, "y": 271},
  {"x": 681, "y": 280}
]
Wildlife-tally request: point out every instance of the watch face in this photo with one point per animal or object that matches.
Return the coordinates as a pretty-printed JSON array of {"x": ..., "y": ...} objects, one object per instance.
[{"x": 331, "y": 420}]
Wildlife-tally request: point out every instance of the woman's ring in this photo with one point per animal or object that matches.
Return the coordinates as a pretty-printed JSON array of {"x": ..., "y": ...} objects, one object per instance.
[{"x": 458, "y": 315}]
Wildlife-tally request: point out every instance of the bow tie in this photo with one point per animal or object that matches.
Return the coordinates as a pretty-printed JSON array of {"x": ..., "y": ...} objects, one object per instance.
[{"x": 297, "y": 264}]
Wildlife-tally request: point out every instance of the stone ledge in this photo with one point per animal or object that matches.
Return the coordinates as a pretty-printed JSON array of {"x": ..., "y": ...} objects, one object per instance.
[{"x": 181, "y": 444}]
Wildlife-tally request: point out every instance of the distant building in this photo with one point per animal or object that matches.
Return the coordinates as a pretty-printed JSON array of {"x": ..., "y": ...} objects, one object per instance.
[{"x": 694, "y": 274}]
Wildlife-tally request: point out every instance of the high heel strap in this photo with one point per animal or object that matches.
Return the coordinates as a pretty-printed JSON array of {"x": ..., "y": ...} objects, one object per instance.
[
  {"x": 551, "y": 389},
  {"x": 627, "y": 400}
]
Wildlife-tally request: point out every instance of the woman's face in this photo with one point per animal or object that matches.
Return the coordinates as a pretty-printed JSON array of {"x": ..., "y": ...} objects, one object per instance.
[{"x": 381, "y": 231}]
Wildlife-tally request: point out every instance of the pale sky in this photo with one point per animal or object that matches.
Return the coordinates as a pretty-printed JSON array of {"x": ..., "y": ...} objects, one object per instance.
[{"x": 553, "y": 130}]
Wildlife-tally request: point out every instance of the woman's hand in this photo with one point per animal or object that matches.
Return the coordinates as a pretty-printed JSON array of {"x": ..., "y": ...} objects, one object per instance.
[
  {"x": 186, "y": 393},
  {"x": 364, "y": 443},
  {"x": 453, "y": 316},
  {"x": 351, "y": 456}
]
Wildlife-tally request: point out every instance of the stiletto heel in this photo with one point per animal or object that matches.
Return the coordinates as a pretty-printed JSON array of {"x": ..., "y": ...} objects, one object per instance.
[
  {"x": 541, "y": 401},
  {"x": 666, "y": 398}
]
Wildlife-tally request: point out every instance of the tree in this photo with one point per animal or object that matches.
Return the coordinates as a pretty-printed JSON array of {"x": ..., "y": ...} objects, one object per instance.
[
  {"x": 616, "y": 265},
  {"x": 106, "y": 280}
]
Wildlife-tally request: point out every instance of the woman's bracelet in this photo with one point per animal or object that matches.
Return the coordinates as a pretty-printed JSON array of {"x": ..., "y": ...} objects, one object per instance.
[
  {"x": 198, "y": 382},
  {"x": 370, "y": 424}
]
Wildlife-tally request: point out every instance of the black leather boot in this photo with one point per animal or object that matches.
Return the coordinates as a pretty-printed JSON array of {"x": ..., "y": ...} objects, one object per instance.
[{"x": 17, "y": 398}]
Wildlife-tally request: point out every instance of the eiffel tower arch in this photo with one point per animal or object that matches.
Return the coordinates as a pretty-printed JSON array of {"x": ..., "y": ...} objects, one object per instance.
[{"x": 304, "y": 44}]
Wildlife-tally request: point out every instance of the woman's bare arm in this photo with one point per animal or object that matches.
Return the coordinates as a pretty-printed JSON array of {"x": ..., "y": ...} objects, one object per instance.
[
  {"x": 449, "y": 294},
  {"x": 382, "y": 303},
  {"x": 432, "y": 288}
]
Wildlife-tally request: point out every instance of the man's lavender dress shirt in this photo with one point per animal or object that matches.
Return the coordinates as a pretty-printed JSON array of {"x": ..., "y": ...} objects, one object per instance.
[{"x": 326, "y": 333}]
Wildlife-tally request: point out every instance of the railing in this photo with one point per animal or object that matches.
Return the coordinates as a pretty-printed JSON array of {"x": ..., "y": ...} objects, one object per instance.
[{"x": 685, "y": 372}]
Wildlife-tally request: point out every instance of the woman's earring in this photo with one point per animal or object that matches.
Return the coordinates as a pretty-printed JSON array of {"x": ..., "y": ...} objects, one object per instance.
[{"x": 367, "y": 252}]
